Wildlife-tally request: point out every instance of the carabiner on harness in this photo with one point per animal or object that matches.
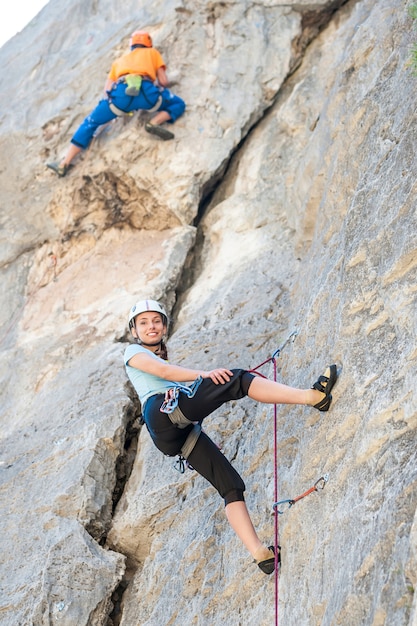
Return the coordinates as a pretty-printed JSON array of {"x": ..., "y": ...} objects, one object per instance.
[{"x": 181, "y": 463}]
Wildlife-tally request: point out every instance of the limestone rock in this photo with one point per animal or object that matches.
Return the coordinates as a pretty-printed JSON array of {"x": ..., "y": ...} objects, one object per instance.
[{"x": 285, "y": 202}]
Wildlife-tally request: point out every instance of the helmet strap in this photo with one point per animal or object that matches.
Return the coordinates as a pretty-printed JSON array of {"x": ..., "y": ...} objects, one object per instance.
[{"x": 150, "y": 345}]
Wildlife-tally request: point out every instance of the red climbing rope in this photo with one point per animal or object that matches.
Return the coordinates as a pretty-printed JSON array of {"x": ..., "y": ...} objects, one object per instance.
[
  {"x": 276, "y": 529},
  {"x": 318, "y": 485},
  {"x": 273, "y": 360}
]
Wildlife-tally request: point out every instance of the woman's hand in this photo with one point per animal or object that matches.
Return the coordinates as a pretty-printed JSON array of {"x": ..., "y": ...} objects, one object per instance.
[{"x": 219, "y": 375}]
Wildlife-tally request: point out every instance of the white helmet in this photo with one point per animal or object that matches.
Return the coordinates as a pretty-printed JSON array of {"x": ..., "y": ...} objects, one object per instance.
[{"x": 147, "y": 305}]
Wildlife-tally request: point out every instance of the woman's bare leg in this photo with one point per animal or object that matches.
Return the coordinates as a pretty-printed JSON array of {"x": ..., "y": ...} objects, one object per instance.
[
  {"x": 239, "y": 519},
  {"x": 270, "y": 392}
]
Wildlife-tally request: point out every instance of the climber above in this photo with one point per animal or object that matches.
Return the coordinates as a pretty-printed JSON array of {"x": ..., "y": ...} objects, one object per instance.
[
  {"x": 137, "y": 80},
  {"x": 173, "y": 409}
]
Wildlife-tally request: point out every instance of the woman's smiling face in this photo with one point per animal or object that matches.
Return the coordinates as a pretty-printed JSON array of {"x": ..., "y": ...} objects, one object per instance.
[{"x": 149, "y": 328}]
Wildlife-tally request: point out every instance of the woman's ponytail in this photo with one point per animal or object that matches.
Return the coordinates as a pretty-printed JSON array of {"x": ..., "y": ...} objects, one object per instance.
[{"x": 163, "y": 351}]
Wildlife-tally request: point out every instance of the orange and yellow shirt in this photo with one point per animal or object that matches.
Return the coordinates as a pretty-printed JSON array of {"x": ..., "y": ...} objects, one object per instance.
[{"x": 143, "y": 61}]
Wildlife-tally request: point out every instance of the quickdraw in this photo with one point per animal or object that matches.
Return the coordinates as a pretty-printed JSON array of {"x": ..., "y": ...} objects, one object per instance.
[
  {"x": 318, "y": 486},
  {"x": 276, "y": 354}
]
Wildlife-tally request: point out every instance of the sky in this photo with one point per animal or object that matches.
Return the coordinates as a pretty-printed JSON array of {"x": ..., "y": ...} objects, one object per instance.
[{"x": 17, "y": 16}]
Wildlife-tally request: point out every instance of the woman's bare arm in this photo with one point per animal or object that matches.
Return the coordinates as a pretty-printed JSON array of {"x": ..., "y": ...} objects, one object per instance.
[{"x": 176, "y": 373}]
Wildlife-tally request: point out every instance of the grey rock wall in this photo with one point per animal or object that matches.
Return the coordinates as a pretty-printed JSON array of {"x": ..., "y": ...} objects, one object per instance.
[{"x": 286, "y": 202}]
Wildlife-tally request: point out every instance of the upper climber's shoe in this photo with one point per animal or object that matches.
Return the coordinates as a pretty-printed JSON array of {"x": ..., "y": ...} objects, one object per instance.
[
  {"x": 61, "y": 170},
  {"x": 159, "y": 131}
]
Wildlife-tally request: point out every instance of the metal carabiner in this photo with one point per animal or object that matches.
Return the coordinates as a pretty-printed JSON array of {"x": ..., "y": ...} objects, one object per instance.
[
  {"x": 179, "y": 465},
  {"x": 321, "y": 482},
  {"x": 290, "y": 336},
  {"x": 276, "y": 505}
]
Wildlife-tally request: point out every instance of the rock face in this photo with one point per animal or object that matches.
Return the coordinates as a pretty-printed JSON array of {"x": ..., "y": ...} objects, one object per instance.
[{"x": 286, "y": 202}]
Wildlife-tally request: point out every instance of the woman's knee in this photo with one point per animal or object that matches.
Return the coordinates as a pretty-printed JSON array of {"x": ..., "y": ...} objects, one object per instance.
[
  {"x": 211, "y": 463},
  {"x": 247, "y": 378},
  {"x": 234, "y": 495}
]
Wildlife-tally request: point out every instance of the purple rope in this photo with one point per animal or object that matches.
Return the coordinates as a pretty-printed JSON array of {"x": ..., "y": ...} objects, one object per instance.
[
  {"x": 276, "y": 536},
  {"x": 276, "y": 529}
]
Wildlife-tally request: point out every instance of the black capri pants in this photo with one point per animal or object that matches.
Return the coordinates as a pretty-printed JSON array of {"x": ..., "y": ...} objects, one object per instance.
[{"x": 205, "y": 458}]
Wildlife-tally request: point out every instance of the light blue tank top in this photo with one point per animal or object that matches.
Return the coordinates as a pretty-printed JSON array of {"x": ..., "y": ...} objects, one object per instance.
[{"x": 146, "y": 385}]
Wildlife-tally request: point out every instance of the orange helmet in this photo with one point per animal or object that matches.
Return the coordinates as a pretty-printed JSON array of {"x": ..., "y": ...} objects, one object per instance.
[{"x": 139, "y": 37}]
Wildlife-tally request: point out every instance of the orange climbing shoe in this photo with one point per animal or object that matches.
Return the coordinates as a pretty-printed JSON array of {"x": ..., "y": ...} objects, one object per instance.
[
  {"x": 268, "y": 565},
  {"x": 325, "y": 384}
]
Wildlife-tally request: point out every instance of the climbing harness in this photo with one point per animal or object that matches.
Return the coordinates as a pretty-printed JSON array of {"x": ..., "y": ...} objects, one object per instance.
[
  {"x": 318, "y": 486},
  {"x": 154, "y": 107},
  {"x": 176, "y": 416},
  {"x": 273, "y": 360},
  {"x": 113, "y": 108},
  {"x": 119, "y": 112},
  {"x": 133, "y": 86}
]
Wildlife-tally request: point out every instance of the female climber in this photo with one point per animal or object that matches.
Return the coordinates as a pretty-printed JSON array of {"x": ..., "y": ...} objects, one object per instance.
[{"x": 176, "y": 399}]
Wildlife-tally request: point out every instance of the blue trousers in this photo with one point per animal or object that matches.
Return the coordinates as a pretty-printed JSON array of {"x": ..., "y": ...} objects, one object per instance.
[{"x": 145, "y": 100}]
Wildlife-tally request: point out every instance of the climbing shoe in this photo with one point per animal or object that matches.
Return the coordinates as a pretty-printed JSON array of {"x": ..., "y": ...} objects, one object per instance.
[
  {"x": 159, "y": 131},
  {"x": 268, "y": 565},
  {"x": 325, "y": 384},
  {"x": 61, "y": 170}
]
